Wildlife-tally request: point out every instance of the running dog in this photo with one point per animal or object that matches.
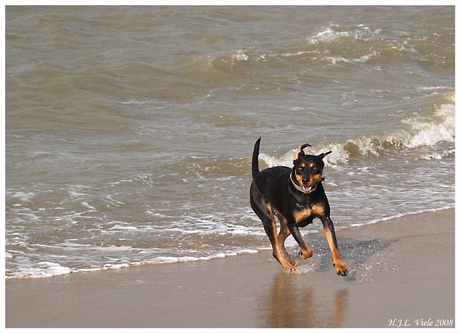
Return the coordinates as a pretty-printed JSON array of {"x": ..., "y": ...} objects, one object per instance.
[{"x": 296, "y": 196}]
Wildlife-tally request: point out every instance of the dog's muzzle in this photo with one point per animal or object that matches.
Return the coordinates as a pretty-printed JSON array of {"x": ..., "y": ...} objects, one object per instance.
[{"x": 303, "y": 189}]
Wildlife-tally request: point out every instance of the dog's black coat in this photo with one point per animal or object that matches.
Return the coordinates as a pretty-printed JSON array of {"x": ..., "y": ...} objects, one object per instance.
[{"x": 296, "y": 196}]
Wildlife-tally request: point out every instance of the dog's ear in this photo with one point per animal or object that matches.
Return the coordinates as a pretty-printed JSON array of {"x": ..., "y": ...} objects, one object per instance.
[
  {"x": 323, "y": 155},
  {"x": 300, "y": 151}
]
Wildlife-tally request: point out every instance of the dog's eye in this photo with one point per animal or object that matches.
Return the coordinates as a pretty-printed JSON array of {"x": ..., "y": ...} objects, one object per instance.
[{"x": 315, "y": 168}]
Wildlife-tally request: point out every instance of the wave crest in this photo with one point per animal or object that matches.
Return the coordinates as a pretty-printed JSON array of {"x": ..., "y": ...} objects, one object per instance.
[{"x": 419, "y": 131}]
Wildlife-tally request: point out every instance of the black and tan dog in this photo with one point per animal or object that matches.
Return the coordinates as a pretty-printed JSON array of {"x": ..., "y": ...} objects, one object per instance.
[{"x": 296, "y": 196}]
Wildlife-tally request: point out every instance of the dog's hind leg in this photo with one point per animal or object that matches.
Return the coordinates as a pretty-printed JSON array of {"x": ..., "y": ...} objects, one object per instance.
[
  {"x": 284, "y": 233},
  {"x": 265, "y": 213},
  {"x": 270, "y": 230}
]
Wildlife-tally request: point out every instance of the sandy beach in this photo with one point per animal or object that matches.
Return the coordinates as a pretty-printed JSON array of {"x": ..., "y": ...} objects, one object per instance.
[{"x": 402, "y": 273}]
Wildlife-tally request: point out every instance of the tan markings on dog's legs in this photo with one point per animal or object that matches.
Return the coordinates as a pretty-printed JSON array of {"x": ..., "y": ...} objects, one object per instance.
[
  {"x": 284, "y": 233},
  {"x": 338, "y": 262},
  {"x": 287, "y": 267},
  {"x": 298, "y": 217}
]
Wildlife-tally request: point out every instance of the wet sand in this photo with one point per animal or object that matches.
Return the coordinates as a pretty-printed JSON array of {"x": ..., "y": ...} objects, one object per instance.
[{"x": 401, "y": 272}]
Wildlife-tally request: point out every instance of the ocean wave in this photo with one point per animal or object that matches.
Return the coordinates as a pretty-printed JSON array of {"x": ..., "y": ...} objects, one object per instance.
[
  {"x": 383, "y": 43},
  {"x": 396, "y": 216},
  {"x": 134, "y": 101},
  {"x": 47, "y": 269},
  {"x": 361, "y": 59},
  {"x": 42, "y": 269},
  {"x": 328, "y": 35},
  {"x": 335, "y": 33},
  {"x": 418, "y": 131}
]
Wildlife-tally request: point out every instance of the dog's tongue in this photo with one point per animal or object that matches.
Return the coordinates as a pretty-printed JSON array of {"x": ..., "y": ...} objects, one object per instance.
[{"x": 307, "y": 188}]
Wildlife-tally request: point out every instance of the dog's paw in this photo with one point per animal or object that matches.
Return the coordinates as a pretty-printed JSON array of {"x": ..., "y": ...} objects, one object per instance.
[
  {"x": 341, "y": 269},
  {"x": 294, "y": 262},
  {"x": 289, "y": 269},
  {"x": 305, "y": 254}
]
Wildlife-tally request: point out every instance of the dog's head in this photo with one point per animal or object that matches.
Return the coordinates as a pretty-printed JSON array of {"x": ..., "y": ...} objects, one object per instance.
[{"x": 308, "y": 170}]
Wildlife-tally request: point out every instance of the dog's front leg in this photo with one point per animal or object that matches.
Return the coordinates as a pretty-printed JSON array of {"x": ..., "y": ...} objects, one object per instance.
[
  {"x": 329, "y": 231},
  {"x": 305, "y": 251}
]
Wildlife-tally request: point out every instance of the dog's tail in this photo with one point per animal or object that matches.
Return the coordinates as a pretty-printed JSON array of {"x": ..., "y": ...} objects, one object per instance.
[{"x": 255, "y": 159}]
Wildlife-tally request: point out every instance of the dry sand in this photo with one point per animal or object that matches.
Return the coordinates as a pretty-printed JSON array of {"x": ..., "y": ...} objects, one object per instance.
[{"x": 401, "y": 271}]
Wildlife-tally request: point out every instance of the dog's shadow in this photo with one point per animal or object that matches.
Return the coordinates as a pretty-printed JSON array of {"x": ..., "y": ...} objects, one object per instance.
[{"x": 359, "y": 255}]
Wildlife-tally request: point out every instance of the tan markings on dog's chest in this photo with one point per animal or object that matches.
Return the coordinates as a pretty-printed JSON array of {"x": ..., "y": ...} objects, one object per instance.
[
  {"x": 316, "y": 210},
  {"x": 301, "y": 215}
]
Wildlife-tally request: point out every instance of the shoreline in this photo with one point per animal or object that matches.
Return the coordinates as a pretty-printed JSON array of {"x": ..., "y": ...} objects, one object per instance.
[
  {"x": 401, "y": 272},
  {"x": 178, "y": 260}
]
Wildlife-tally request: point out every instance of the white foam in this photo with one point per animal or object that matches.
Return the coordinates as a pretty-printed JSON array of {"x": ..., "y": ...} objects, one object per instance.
[
  {"x": 329, "y": 35},
  {"x": 41, "y": 270},
  {"x": 119, "y": 227},
  {"x": 240, "y": 56},
  {"x": 421, "y": 131},
  {"x": 23, "y": 196},
  {"x": 326, "y": 36},
  {"x": 88, "y": 206},
  {"x": 133, "y": 101},
  {"x": 436, "y": 156},
  {"x": 431, "y": 131},
  {"x": 362, "y": 59},
  {"x": 396, "y": 216},
  {"x": 48, "y": 269}
]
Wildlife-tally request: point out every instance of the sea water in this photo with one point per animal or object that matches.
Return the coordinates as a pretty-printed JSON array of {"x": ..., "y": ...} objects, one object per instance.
[{"x": 130, "y": 130}]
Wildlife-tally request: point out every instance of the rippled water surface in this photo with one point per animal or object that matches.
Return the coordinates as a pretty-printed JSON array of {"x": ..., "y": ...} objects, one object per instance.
[{"x": 129, "y": 130}]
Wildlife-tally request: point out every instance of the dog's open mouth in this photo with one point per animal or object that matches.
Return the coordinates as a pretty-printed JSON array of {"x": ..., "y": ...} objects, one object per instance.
[
  {"x": 308, "y": 189},
  {"x": 304, "y": 189}
]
